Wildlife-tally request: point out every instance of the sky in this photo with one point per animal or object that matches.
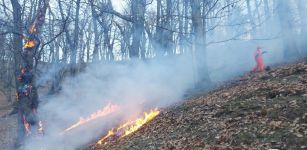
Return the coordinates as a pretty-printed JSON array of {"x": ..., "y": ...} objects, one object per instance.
[{"x": 118, "y": 4}]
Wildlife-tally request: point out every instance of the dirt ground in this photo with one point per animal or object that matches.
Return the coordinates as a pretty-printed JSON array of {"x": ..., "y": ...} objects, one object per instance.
[{"x": 8, "y": 125}]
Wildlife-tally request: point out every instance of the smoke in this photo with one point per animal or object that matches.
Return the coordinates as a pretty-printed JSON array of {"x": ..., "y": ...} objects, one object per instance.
[
  {"x": 138, "y": 86},
  {"x": 135, "y": 86}
]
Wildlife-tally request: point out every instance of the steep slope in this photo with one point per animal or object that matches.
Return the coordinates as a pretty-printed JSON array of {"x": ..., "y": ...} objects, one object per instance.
[{"x": 257, "y": 111}]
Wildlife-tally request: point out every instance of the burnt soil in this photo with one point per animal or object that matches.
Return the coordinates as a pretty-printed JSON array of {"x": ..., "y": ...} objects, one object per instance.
[{"x": 256, "y": 111}]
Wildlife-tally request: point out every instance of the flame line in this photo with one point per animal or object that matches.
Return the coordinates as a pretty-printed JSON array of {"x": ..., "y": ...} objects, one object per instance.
[
  {"x": 106, "y": 110},
  {"x": 129, "y": 127}
]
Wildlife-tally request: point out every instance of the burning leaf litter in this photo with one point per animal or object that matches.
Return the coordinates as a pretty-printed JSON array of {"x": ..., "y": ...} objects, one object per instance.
[
  {"x": 257, "y": 111},
  {"x": 110, "y": 108},
  {"x": 128, "y": 127},
  {"x": 27, "y": 126}
]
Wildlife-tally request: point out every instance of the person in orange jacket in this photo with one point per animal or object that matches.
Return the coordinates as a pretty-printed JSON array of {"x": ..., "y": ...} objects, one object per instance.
[{"x": 259, "y": 60}]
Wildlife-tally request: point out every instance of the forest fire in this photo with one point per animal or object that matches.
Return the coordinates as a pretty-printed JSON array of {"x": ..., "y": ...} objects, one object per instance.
[
  {"x": 29, "y": 44},
  {"x": 27, "y": 126},
  {"x": 128, "y": 127},
  {"x": 33, "y": 27},
  {"x": 110, "y": 108}
]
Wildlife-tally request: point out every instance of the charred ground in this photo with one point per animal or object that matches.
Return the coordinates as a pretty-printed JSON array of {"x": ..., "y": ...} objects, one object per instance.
[{"x": 256, "y": 111}]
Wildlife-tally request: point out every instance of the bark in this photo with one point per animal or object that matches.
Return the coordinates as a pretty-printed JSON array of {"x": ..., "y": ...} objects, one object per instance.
[
  {"x": 199, "y": 45},
  {"x": 88, "y": 44},
  {"x": 74, "y": 48},
  {"x": 180, "y": 22},
  {"x": 158, "y": 34},
  {"x": 107, "y": 45},
  {"x": 164, "y": 34},
  {"x": 168, "y": 34},
  {"x": 66, "y": 40},
  {"x": 17, "y": 47},
  {"x": 124, "y": 42},
  {"x": 26, "y": 87},
  {"x": 96, "y": 36},
  {"x": 186, "y": 26},
  {"x": 138, "y": 13}
]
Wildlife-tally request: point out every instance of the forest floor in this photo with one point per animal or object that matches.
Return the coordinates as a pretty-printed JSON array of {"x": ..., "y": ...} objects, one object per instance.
[
  {"x": 8, "y": 125},
  {"x": 256, "y": 111}
]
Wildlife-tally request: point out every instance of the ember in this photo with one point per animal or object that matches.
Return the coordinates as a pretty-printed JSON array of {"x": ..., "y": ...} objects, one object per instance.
[
  {"x": 33, "y": 28},
  {"x": 128, "y": 128},
  {"x": 100, "y": 113},
  {"x": 26, "y": 126},
  {"x": 29, "y": 44}
]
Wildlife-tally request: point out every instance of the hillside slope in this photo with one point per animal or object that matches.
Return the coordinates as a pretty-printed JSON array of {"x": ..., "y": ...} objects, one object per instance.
[{"x": 257, "y": 111}]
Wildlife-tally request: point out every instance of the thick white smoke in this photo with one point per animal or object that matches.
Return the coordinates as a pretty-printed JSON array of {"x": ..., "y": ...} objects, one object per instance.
[
  {"x": 137, "y": 85},
  {"x": 133, "y": 85}
]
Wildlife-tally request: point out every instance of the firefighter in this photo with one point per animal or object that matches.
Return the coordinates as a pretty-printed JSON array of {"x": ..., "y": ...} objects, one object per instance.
[{"x": 260, "y": 66}]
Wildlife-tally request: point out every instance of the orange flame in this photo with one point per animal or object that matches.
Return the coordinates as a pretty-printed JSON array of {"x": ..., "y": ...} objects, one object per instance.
[
  {"x": 26, "y": 126},
  {"x": 30, "y": 44},
  {"x": 100, "y": 113},
  {"x": 33, "y": 27},
  {"x": 129, "y": 127}
]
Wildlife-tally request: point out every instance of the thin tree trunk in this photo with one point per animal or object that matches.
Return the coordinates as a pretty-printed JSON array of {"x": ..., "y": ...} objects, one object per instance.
[
  {"x": 74, "y": 48},
  {"x": 96, "y": 36},
  {"x": 199, "y": 44},
  {"x": 138, "y": 13},
  {"x": 180, "y": 36}
]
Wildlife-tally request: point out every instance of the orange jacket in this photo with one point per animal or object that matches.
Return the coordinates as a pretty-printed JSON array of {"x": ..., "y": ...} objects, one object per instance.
[{"x": 259, "y": 61}]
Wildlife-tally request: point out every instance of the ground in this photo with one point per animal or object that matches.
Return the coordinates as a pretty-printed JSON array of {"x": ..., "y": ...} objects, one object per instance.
[
  {"x": 8, "y": 125},
  {"x": 256, "y": 111}
]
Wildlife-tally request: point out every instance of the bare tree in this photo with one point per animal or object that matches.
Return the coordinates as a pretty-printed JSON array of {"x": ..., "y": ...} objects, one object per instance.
[
  {"x": 199, "y": 49},
  {"x": 26, "y": 87}
]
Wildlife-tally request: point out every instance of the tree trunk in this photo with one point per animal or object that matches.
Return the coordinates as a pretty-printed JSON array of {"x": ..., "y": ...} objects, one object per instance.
[
  {"x": 66, "y": 40},
  {"x": 199, "y": 45},
  {"x": 96, "y": 36},
  {"x": 180, "y": 21},
  {"x": 168, "y": 34},
  {"x": 186, "y": 26},
  {"x": 17, "y": 46},
  {"x": 26, "y": 87},
  {"x": 74, "y": 48},
  {"x": 158, "y": 33},
  {"x": 138, "y": 13}
]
